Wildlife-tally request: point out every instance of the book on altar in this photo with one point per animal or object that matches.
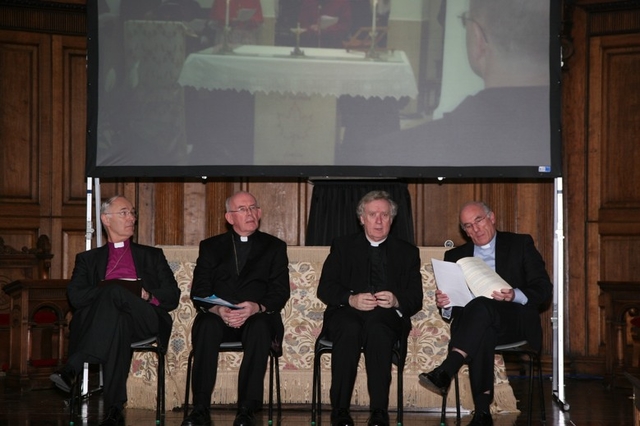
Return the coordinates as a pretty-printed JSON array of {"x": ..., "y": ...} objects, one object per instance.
[
  {"x": 134, "y": 285},
  {"x": 245, "y": 14},
  {"x": 466, "y": 279},
  {"x": 215, "y": 300}
]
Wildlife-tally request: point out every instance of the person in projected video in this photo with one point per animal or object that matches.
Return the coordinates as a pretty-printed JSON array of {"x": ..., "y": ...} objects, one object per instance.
[
  {"x": 327, "y": 22},
  {"x": 506, "y": 123},
  {"x": 245, "y": 18}
]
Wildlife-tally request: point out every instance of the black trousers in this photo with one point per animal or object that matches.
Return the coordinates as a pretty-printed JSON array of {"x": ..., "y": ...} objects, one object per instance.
[
  {"x": 103, "y": 333},
  {"x": 208, "y": 332},
  {"x": 482, "y": 325},
  {"x": 375, "y": 333}
]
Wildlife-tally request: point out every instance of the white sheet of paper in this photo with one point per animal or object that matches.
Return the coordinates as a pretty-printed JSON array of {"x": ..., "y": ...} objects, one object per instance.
[
  {"x": 327, "y": 21},
  {"x": 450, "y": 280}
]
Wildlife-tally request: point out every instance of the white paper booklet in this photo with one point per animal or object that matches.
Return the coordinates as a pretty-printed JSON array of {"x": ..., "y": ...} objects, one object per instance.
[
  {"x": 469, "y": 277},
  {"x": 327, "y": 21}
]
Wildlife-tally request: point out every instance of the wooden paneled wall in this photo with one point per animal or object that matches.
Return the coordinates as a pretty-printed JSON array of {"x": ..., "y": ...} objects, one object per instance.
[
  {"x": 601, "y": 115},
  {"x": 42, "y": 154}
]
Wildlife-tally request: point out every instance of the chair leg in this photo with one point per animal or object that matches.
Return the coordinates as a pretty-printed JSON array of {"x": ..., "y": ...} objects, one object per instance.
[
  {"x": 400, "y": 393},
  {"x": 278, "y": 396},
  {"x": 160, "y": 403},
  {"x": 188, "y": 385},
  {"x": 315, "y": 392},
  {"x": 543, "y": 414},
  {"x": 457, "y": 390},
  {"x": 443, "y": 410},
  {"x": 271, "y": 363},
  {"x": 74, "y": 400}
]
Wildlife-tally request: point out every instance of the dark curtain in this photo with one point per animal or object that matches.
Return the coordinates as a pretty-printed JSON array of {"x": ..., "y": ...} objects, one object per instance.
[{"x": 333, "y": 209}]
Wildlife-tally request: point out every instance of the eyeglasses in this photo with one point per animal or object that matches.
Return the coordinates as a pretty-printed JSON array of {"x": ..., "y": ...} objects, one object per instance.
[
  {"x": 478, "y": 221},
  {"x": 125, "y": 213},
  {"x": 465, "y": 19},
  {"x": 245, "y": 210}
]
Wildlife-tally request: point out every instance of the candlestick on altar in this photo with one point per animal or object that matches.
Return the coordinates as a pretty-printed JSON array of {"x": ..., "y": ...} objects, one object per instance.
[
  {"x": 226, "y": 16},
  {"x": 226, "y": 32},
  {"x": 372, "y": 49}
]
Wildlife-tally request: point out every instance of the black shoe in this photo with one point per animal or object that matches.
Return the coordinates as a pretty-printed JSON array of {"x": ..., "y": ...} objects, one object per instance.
[
  {"x": 244, "y": 417},
  {"x": 481, "y": 419},
  {"x": 341, "y": 417},
  {"x": 64, "y": 379},
  {"x": 437, "y": 381},
  {"x": 199, "y": 417},
  {"x": 114, "y": 417},
  {"x": 378, "y": 418}
]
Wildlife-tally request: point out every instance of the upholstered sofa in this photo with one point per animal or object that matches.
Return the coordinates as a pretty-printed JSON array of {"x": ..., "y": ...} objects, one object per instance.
[{"x": 302, "y": 315}]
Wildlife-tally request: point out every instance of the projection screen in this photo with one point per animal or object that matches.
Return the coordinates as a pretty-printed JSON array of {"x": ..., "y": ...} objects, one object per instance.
[{"x": 457, "y": 88}]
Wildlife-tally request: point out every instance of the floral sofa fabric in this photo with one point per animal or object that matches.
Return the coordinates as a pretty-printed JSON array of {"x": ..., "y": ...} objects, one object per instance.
[{"x": 302, "y": 316}]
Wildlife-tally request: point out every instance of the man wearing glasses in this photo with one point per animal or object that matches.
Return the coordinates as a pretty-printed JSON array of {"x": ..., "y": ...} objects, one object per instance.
[
  {"x": 511, "y": 315},
  {"x": 505, "y": 123},
  {"x": 248, "y": 268},
  {"x": 122, "y": 293}
]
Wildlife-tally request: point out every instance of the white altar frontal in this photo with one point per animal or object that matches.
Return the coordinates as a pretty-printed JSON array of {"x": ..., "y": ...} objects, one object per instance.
[{"x": 295, "y": 96}]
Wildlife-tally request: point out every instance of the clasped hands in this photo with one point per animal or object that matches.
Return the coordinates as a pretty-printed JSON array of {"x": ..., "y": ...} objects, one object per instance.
[
  {"x": 370, "y": 301},
  {"x": 505, "y": 294},
  {"x": 236, "y": 317}
]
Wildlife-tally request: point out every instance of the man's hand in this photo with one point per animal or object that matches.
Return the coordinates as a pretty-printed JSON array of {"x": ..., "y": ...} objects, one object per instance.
[
  {"x": 145, "y": 294},
  {"x": 442, "y": 299},
  {"x": 386, "y": 299},
  {"x": 236, "y": 317},
  {"x": 505, "y": 294},
  {"x": 363, "y": 301}
]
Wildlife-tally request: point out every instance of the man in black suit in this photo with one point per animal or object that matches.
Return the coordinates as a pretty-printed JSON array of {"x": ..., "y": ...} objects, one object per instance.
[
  {"x": 249, "y": 268},
  {"x": 371, "y": 284},
  {"x": 509, "y": 316},
  {"x": 107, "y": 319}
]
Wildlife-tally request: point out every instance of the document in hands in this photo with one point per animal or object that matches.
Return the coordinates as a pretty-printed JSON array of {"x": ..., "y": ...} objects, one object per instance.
[
  {"x": 215, "y": 300},
  {"x": 327, "y": 21},
  {"x": 469, "y": 277}
]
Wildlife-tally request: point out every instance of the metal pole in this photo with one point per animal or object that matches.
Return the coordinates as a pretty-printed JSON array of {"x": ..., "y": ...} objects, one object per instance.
[{"x": 557, "y": 318}]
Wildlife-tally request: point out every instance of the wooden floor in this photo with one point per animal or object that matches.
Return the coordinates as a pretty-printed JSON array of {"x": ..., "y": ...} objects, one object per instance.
[{"x": 591, "y": 403}]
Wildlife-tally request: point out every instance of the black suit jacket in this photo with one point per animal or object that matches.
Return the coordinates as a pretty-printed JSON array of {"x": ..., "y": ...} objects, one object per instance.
[
  {"x": 520, "y": 264},
  {"x": 151, "y": 266},
  {"x": 346, "y": 272},
  {"x": 264, "y": 279}
]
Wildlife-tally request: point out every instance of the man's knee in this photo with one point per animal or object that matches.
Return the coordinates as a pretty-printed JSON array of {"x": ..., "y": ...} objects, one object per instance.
[{"x": 205, "y": 325}]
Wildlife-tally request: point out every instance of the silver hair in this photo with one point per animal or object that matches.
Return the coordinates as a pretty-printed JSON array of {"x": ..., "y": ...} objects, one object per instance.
[
  {"x": 482, "y": 204},
  {"x": 376, "y": 195},
  {"x": 227, "y": 202},
  {"x": 106, "y": 204}
]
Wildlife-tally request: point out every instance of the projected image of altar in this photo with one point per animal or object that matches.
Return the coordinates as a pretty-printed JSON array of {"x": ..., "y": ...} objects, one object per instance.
[{"x": 274, "y": 107}]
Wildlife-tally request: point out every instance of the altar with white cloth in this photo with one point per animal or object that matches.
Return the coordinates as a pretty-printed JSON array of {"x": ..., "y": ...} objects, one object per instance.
[{"x": 295, "y": 96}]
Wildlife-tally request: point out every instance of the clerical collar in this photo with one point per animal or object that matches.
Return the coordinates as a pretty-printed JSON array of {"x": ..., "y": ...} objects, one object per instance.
[
  {"x": 120, "y": 244},
  {"x": 241, "y": 238},
  {"x": 374, "y": 243},
  {"x": 489, "y": 245}
]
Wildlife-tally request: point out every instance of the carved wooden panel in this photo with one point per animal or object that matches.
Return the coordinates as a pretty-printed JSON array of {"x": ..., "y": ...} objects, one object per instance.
[
  {"x": 25, "y": 59},
  {"x": 600, "y": 120}
]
